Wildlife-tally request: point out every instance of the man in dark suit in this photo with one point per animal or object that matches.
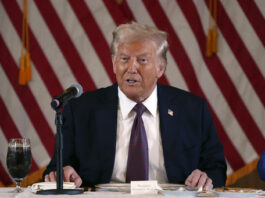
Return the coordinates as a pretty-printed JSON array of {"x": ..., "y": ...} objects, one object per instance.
[{"x": 182, "y": 142}]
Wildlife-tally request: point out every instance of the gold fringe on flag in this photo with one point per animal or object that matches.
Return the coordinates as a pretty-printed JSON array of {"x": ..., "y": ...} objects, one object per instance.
[
  {"x": 238, "y": 174},
  {"x": 211, "y": 41},
  {"x": 2, "y": 184},
  {"x": 34, "y": 177},
  {"x": 25, "y": 75}
]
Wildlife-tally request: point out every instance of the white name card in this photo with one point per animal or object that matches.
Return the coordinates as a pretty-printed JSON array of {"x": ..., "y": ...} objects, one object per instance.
[{"x": 144, "y": 187}]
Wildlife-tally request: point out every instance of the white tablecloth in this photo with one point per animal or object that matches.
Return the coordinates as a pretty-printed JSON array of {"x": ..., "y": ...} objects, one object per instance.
[{"x": 5, "y": 192}]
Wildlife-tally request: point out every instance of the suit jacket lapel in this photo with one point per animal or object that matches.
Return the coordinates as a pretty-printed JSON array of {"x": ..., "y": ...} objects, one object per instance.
[{"x": 169, "y": 116}]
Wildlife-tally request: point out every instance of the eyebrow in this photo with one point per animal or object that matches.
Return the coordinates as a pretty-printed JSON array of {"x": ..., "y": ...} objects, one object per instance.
[
  {"x": 123, "y": 54},
  {"x": 143, "y": 54}
]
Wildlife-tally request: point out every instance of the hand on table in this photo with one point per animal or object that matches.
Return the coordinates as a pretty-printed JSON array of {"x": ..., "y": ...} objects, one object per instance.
[
  {"x": 199, "y": 179},
  {"x": 69, "y": 175}
]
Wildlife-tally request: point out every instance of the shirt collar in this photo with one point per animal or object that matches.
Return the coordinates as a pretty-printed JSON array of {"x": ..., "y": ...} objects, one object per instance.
[{"x": 126, "y": 104}]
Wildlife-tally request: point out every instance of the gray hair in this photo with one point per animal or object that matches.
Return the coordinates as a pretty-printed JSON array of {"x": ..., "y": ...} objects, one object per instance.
[{"x": 134, "y": 31}]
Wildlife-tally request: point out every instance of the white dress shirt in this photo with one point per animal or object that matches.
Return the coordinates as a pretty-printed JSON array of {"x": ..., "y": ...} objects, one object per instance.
[{"x": 150, "y": 118}]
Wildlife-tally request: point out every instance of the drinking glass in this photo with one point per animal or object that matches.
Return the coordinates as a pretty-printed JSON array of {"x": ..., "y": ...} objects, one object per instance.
[{"x": 18, "y": 160}]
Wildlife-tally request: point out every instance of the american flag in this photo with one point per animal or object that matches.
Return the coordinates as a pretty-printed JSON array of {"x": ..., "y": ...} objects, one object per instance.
[{"x": 70, "y": 42}]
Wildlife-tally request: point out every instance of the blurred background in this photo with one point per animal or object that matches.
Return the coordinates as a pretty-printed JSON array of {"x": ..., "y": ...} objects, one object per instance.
[{"x": 217, "y": 51}]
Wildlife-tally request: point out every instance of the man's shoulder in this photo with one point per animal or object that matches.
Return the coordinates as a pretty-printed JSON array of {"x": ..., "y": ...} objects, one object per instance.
[
  {"x": 174, "y": 92},
  {"x": 99, "y": 95},
  {"x": 101, "y": 91}
]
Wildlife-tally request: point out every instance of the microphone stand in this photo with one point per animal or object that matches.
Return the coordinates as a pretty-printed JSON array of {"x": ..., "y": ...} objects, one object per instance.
[{"x": 59, "y": 159}]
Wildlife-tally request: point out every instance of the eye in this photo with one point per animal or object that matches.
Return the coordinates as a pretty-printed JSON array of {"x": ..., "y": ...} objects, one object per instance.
[
  {"x": 124, "y": 58},
  {"x": 143, "y": 60}
]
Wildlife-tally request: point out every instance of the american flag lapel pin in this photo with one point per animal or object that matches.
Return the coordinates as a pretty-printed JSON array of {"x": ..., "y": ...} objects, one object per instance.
[{"x": 170, "y": 112}]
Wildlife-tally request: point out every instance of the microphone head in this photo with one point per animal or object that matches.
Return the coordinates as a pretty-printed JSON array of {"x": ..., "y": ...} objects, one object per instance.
[{"x": 78, "y": 87}]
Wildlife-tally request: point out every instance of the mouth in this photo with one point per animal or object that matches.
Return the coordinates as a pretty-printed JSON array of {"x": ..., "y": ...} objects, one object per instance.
[{"x": 131, "y": 81}]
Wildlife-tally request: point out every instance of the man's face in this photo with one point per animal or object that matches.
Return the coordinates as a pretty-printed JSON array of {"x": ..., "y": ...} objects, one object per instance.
[{"x": 137, "y": 68}]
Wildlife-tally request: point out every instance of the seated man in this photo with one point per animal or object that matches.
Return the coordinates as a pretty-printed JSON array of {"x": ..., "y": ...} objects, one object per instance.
[
  {"x": 261, "y": 166},
  {"x": 172, "y": 139}
]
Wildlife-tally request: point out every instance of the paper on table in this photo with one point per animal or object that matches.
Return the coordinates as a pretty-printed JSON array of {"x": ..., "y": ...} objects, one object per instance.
[
  {"x": 50, "y": 185},
  {"x": 149, "y": 187}
]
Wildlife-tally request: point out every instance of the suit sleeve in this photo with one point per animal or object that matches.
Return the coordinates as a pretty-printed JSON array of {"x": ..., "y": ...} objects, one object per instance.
[
  {"x": 261, "y": 166},
  {"x": 212, "y": 160},
  {"x": 68, "y": 132}
]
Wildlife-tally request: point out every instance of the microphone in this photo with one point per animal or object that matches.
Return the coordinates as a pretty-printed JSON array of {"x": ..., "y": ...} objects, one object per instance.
[{"x": 74, "y": 91}]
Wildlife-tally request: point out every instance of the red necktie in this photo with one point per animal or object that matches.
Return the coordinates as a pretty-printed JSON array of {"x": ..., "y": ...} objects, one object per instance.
[{"x": 137, "y": 164}]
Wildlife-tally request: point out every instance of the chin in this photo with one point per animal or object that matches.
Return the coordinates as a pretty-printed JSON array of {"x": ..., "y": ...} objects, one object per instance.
[
  {"x": 133, "y": 93},
  {"x": 132, "y": 96}
]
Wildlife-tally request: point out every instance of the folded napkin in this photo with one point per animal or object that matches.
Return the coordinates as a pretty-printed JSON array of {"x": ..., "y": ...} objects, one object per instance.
[{"x": 51, "y": 185}]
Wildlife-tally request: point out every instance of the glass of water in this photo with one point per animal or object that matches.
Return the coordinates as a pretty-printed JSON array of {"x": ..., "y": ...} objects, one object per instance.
[{"x": 18, "y": 160}]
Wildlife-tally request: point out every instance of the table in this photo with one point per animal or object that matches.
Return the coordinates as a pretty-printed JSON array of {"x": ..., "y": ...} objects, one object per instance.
[{"x": 4, "y": 192}]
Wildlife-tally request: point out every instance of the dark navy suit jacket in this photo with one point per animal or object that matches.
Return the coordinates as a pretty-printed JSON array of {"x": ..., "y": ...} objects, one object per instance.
[
  {"x": 261, "y": 166},
  {"x": 189, "y": 137}
]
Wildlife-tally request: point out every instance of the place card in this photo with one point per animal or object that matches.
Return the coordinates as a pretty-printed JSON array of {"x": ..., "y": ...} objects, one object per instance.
[{"x": 144, "y": 187}]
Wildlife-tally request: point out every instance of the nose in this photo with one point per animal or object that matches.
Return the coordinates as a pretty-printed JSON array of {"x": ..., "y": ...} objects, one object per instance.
[{"x": 132, "y": 65}]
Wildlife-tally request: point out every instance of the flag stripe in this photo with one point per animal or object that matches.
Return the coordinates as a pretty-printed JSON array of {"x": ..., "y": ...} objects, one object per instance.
[
  {"x": 38, "y": 89},
  {"x": 256, "y": 19},
  {"x": 50, "y": 49},
  {"x": 261, "y": 5},
  {"x": 84, "y": 47},
  {"x": 224, "y": 82},
  {"x": 231, "y": 153},
  {"x": 22, "y": 121},
  {"x": 98, "y": 11},
  {"x": 64, "y": 42},
  {"x": 37, "y": 56},
  {"x": 3, "y": 168},
  {"x": 246, "y": 34},
  {"x": 116, "y": 12},
  {"x": 127, "y": 11},
  {"x": 236, "y": 74},
  {"x": 27, "y": 99},
  {"x": 97, "y": 39},
  {"x": 4, "y": 176},
  {"x": 241, "y": 53}
]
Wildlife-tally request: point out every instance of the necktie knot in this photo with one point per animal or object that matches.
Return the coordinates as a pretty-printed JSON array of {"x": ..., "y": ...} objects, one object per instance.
[{"x": 139, "y": 108}]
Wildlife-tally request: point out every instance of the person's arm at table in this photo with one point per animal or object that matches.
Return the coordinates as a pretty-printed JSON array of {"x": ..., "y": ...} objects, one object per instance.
[
  {"x": 211, "y": 171},
  {"x": 70, "y": 164},
  {"x": 69, "y": 175},
  {"x": 199, "y": 179}
]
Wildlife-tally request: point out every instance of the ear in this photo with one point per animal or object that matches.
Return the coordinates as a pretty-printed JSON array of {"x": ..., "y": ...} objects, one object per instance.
[
  {"x": 161, "y": 69},
  {"x": 113, "y": 57}
]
